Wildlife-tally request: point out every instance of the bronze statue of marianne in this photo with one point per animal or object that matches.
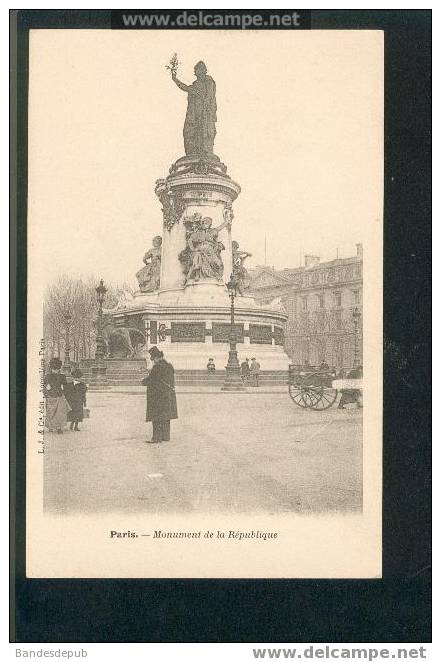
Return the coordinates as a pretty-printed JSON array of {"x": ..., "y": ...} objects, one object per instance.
[{"x": 200, "y": 121}]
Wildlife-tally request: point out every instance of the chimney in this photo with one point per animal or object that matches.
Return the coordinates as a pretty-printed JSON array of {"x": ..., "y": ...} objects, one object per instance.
[
  {"x": 312, "y": 260},
  {"x": 359, "y": 251}
]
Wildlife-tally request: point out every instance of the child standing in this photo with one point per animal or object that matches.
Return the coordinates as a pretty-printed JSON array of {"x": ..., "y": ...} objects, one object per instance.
[{"x": 76, "y": 397}]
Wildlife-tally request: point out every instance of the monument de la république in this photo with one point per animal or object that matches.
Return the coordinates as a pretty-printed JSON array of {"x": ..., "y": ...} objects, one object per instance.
[{"x": 183, "y": 303}]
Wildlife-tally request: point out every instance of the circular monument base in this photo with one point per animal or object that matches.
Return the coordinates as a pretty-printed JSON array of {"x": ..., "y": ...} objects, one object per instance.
[
  {"x": 195, "y": 356},
  {"x": 192, "y": 325}
]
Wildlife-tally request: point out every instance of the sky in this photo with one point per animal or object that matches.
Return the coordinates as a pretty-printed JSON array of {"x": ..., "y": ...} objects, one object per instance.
[{"x": 300, "y": 128}]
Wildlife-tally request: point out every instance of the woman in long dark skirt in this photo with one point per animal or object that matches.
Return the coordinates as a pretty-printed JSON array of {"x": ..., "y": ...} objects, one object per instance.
[
  {"x": 76, "y": 397},
  {"x": 54, "y": 391}
]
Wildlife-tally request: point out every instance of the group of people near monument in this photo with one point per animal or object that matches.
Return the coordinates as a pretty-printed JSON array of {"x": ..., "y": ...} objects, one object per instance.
[
  {"x": 65, "y": 398},
  {"x": 250, "y": 372}
]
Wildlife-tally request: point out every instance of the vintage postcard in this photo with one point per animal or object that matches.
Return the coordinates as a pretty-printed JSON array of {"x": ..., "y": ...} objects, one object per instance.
[{"x": 205, "y": 218}]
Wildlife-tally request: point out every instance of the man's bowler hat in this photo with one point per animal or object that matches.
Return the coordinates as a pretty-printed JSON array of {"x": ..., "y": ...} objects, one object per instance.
[{"x": 155, "y": 353}]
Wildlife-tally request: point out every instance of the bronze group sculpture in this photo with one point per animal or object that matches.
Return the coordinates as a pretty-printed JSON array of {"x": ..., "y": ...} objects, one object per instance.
[{"x": 201, "y": 258}]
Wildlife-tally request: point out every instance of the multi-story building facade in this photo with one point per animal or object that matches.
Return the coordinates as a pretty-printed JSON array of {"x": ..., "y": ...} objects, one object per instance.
[{"x": 320, "y": 299}]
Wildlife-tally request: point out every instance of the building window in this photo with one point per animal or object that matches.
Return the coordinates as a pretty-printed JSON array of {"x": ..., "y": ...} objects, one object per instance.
[
  {"x": 289, "y": 305},
  {"x": 337, "y": 299},
  {"x": 356, "y": 294},
  {"x": 321, "y": 300},
  {"x": 304, "y": 304},
  {"x": 278, "y": 336},
  {"x": 338, "y": 324}
]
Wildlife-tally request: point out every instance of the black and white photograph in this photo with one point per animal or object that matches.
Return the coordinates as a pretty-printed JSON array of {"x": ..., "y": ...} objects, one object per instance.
[{"x": 205, "y": 217}]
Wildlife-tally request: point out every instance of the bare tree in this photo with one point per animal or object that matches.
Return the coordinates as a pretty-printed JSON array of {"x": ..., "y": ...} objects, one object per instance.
[{"x": 75, "y": 298}]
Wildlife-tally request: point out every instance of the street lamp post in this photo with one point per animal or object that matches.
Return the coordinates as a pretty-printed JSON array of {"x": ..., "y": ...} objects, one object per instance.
[
  {"x": 308, "y": 339},
  {"x": 100, "y": 346},
  {"x": 356, "y": 315},
  {"x": 233, "y": 380},
  {"x": 99, "y": 381},
  {"x": 67, "y": 321}
]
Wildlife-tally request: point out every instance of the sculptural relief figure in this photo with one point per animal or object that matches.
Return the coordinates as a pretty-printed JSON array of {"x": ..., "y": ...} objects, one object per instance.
[
  {"x": 200, "y": 121},
  {"x": 149, "y": 276},
  {"x": 172, "y": 203},
  {"x": 239, "y": 271},
  {"x": 201, "y": 258}
]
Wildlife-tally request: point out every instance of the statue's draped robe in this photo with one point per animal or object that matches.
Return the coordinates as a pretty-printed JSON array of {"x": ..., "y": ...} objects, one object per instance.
[
  {"x": 200, "y": 121},
  {"x": 206, "y": 259},
  {"x": 149, "y": 276},
  {"x": 241, "y": 273}
]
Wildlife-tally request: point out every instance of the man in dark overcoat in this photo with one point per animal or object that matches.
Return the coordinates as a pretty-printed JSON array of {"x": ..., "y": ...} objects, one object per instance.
[{"x": 161, "y": 396}]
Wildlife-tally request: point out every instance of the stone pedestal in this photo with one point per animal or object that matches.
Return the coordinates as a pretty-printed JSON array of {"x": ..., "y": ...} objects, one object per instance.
[
  {"x": 183, "y": 194},
  {"x": 190, "y": 321},
  {"x": 98, "y": 376}
]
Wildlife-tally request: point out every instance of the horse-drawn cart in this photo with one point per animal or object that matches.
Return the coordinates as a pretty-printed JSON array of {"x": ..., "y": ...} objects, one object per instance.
[{"x": 313, "y": 388}]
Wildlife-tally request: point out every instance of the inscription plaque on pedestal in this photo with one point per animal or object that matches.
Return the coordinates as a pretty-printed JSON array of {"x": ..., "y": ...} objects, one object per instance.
[
  {"x": 260, "y": 334},
  {"x": 188, "y": 331},
  {"x": 221, "y": 332}
]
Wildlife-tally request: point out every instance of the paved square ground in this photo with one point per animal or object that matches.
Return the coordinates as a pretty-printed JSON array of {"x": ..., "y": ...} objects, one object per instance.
[{"x": 229, "y": 452}]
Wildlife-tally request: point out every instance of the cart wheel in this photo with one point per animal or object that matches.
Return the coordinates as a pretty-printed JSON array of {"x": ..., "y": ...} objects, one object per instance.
[
  {"x": 324, "y": 397},
  {"x": 302, "y": 396}
]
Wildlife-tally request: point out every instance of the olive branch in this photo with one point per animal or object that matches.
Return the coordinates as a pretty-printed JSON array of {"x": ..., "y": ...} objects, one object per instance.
[{"x": 172, "y": 66}]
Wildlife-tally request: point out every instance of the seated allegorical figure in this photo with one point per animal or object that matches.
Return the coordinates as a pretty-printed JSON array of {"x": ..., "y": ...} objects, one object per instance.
[
  {"x": 149, "y": 276},
  {"x": 201, "y": 258}
]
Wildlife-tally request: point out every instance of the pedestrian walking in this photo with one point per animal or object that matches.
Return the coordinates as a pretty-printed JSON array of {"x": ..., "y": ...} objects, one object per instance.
[
  {"x": 76, "y": 397},
  {"x": 254, "y": 372},
  {"x": 54, "y": 388},
  {"x": 161, "y": 396},
  {"x": 245, "y": 371}
]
